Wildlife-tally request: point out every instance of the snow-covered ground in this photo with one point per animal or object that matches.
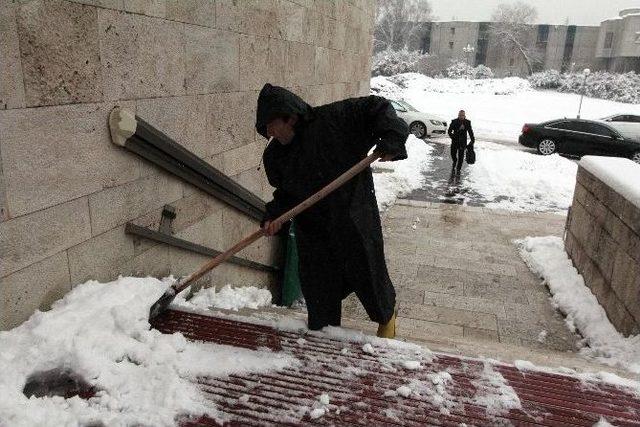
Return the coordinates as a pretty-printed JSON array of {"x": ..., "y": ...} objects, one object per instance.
[
  {"x": 516, "y": 180},
  {"x": 497, "y": 108},
  {"x": 522, "y": 181},
  {"x": 396, "y": 179},
  {"x": 546, "y": 257},
  {"x": 100, "y": 331}
]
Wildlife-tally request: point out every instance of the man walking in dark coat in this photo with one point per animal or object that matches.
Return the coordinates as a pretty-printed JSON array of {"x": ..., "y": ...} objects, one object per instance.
[
  {"x": 339, "y": 239},
  {"x": 458, "y": 130}
]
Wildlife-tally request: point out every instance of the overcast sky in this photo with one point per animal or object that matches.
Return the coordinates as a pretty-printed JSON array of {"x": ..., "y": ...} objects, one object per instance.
[{"x": 577, "y": 12}]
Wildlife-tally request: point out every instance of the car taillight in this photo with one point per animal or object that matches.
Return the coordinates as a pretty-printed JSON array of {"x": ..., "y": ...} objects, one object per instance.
[{"x": 525, "y": 129}]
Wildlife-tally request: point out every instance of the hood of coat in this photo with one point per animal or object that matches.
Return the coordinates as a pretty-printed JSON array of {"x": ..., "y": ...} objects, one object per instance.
[{"x": 276, "y": 101}]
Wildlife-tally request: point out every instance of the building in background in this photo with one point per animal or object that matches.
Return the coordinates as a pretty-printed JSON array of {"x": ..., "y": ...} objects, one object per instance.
[
  {"x": 618, "y": 44},
  {"x": 612, "y": 46}
]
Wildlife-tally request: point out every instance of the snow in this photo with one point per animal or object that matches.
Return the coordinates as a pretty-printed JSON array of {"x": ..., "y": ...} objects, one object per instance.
[
  {"x": 320, "y": 407},
  {"x": 324, "y": 399},
  {"x": 434, "y": 390},
  {"x": 367, "y": 348},
  {"x": 404, "y": 391},
  {"x": 603, "y": 423},
  {"x": 521, "y": 181},
  {"x": 622, "y": 87},
  {"x": 622, "y": 175},
  {"x": 518, "y": 180},
  {"x": 497, "y": 108},
  {"x": 411, "y": 364},
  {"x": 546, "y": 257},
  {"x": 317, "y": 413},
  {"x": 101, "y": 332},
  {"x": 419, "y": 83},
  {"x": 542, "y": 336},
  {"x": 396, "y": 179},
  {"x": 498, "y": 397},
  {"x": 228, "y": 298}
]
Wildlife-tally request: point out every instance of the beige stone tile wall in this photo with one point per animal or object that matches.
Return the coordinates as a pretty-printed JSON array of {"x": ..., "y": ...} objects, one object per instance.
[
  {"x": 603, "y": 240},
  {"x": 193, "y": 69}
]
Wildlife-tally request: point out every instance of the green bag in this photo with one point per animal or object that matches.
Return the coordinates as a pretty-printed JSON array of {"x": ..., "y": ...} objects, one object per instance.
[{"x": 291, "y": 291}]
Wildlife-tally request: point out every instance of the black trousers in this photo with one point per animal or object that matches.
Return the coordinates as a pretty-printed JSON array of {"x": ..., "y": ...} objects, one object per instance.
[
  {"x": 332, "y": 266},
  {"x": 457, "y": 155}
]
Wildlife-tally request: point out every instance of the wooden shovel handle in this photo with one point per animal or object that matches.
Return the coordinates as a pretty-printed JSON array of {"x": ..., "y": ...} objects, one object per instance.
[{"x": 291, "y": 213}]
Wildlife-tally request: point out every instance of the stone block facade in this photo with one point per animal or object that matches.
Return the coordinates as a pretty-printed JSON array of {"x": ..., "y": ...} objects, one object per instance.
[
  {"x": 191, "y": 68},
  {"x": 603, "y": 241}
]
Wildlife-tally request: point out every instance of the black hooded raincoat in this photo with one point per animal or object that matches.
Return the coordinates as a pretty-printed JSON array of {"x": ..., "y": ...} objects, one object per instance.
[{"x": 339, "y": 239}]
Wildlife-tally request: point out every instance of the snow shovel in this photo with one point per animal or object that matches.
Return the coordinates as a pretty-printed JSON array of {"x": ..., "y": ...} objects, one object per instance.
[{"x": 163, "y": 303}]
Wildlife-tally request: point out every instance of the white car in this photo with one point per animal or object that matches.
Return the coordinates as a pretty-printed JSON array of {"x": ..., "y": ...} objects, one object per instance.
[
  {"x": 420, "y": 124},
  {"x": 622, "y": 118},
  {"x": 630, "y": 129}
]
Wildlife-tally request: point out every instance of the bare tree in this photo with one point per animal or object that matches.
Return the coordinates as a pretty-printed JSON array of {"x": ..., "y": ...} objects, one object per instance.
[
  {"x": 400, "y": 22},
  {"x": 511, "y": 27}
]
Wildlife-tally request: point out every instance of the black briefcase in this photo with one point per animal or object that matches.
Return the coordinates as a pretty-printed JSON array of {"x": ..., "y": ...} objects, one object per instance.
[{"x": 471, "y": 156}]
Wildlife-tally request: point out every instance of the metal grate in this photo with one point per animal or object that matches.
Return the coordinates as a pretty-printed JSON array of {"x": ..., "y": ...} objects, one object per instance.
[{"x": 356, "y": 382}]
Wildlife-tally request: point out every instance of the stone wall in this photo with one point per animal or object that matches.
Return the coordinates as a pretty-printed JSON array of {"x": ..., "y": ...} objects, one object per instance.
[
  {"x": 603, "y": 240},
  {"x": 193, "y": 69}
]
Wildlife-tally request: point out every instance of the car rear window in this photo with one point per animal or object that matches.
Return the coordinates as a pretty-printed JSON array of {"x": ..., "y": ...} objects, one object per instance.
[
  {"x": 597, "y": 129},
  {"x": 577, "y": 126}
]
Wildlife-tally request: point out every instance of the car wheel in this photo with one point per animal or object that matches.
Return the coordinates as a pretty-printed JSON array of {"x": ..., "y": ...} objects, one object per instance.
[
  {"x": 547, "y": 146},
  {"x": 418, "y": 129},
  {"x": 636, "y": 157}
]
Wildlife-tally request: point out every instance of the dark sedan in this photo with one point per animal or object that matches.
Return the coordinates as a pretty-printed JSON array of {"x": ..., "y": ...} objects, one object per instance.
[{"x": 579, "y": 137}]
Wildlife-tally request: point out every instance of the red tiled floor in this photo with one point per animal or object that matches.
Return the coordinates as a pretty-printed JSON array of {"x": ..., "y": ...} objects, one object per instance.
[{"x": 356, "y": 383}]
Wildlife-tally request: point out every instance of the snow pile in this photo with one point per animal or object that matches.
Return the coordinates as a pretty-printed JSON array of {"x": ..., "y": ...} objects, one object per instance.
[
  {"x": 623, "y": 175},
  {"x": 493, "y": 392},
  {"x": 321, "y": 407},
  {"x": 100, "y": 331},
  {"x": 622, "y": 87},
  {"x": 415, "y": 83},
  {"x": 395, "y": 179},
  {"x": 521, "y": 181},
  {"x": 382, "y": 86},
  {"x": 228, "y": 298},
  {"x": 546, "y": 257}
]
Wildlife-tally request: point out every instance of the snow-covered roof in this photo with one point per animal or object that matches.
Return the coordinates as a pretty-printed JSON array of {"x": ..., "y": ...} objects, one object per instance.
[{"x": 622, "y": 175}]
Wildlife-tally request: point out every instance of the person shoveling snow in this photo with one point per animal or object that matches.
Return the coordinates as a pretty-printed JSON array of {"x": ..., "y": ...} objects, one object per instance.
[{"x": 340, "y": 238}]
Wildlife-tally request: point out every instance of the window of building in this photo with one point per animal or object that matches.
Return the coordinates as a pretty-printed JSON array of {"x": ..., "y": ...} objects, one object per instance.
[
  {"x": 543, "y": 33},
  {"x": 608, "y": 40},
  {"x": 453, "y": 31},
  {"x": 637, "y": 36},
  {"x": 568, "y": 47},
  {"x": 511, "y": 62},
  {"x": 450, "y": 45}
]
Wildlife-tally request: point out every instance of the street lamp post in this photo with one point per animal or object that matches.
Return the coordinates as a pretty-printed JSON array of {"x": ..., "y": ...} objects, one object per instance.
[
  {"x": 584, "y": 88},
  {"x": 468, "y": 49}
]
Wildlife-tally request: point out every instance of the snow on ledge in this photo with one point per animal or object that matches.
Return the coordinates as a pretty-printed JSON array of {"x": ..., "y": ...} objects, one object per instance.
[
  {"x": 622, "y": 175},
  {"x": 546, "y": 257}
]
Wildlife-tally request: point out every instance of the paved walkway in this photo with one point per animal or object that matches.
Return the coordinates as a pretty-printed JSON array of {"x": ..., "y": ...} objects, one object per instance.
[
  {"x": 458, "y": 275},
  {"x": 461, "y": 283}
]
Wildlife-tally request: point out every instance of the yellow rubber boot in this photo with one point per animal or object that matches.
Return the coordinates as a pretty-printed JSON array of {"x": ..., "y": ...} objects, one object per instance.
[{"x": 388, "y": 330}]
